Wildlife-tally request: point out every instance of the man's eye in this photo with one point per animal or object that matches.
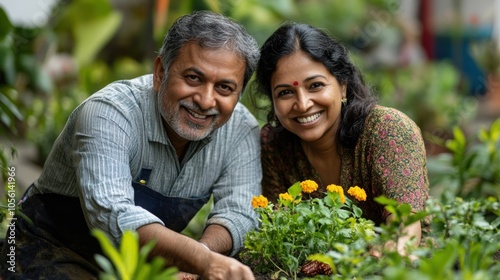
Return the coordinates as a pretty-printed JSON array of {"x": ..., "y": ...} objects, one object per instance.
[
  {"x": 225, "y": 89},
  {"x": 192, "y": 77}
]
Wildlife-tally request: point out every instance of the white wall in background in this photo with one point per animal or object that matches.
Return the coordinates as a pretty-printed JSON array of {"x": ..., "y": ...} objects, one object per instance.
[{"x": 28, "y": 12}]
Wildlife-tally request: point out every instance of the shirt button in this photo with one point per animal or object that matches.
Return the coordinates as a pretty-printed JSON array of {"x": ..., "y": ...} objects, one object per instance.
[{"x": 143, "y": 182}]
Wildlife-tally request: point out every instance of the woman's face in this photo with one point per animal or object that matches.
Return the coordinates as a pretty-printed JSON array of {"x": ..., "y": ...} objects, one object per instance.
[{"x": 306, "y": 97}]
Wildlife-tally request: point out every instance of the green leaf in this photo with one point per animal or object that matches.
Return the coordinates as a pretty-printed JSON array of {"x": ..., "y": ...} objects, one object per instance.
[
  {"x": 144, "y": 252},
  {"x": 92, "y": 35},
  {"x": 441, "y": 261},
  {"x": 105, "y": 264},
  {"x": 168, "y": 274},
  {"x": 295, "y": 190},
  {"x": 404, "y": 209},
  {"x": 8, "y": 106},
  {"x": 416, "y": 217},
  {"x": 385, "y": 200},
  {"x": 325, "y": 221},
  {"x": 5, "y": 24},
  {"x": 129, "y": 249},
  {"x": 143, "y": 272},
  {"x": 357, "y": 211},
  {"x": 459, "y": 136},
  {"x": 111, "y": 252},
  {"x": 156, "y": 266}
]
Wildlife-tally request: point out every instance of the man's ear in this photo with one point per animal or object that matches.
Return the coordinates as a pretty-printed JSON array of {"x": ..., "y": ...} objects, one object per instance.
[{"x": 158, "y": 73}]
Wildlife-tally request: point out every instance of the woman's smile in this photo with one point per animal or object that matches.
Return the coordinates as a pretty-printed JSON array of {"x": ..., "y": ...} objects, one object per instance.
[{"x": 308, "y": 120}]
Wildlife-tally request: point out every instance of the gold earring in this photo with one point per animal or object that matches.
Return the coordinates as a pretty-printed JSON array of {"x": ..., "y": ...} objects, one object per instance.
[
  {"x": 344, "y": 101},
  {"x": 274, "y": 121}
]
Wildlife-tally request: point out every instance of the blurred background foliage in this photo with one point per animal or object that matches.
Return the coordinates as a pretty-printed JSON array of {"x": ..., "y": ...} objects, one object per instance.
[{"x": 46, "y": 71}]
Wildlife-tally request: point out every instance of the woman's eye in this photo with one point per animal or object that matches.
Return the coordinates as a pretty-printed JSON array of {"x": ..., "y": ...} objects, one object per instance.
[
  {"x": 317, "y": 85},
  {"x": 284, "y": 92}
]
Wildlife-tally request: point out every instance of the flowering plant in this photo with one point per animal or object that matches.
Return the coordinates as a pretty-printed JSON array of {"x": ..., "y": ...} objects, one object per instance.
[{"x": 296, "y": 227}]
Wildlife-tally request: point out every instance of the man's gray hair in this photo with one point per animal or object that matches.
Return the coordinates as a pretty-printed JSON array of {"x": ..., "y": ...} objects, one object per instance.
[{"x": 210, "y": 30}]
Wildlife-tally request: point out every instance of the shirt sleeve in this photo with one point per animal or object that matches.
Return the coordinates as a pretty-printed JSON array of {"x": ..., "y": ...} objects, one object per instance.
[
  {"x": 397, "y": 159},
  {"x": 105, "y": 137},
  {"x": 240, "y": 180}
]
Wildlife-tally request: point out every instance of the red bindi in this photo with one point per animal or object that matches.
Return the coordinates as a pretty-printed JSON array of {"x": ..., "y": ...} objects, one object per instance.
[{"x": 295, "y": 83}]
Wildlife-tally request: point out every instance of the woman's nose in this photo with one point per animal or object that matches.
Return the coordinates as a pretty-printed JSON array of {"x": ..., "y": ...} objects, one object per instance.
[{"x": 303, "y": 102}]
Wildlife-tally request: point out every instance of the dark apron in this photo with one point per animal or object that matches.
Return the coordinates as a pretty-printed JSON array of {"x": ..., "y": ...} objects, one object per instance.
[
  {"x": 58, "y": 244},
  {"x": 175, "y": 212}
]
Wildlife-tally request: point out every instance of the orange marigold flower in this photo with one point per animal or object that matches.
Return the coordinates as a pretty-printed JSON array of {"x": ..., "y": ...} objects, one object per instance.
[
  {"x": 286, "y": 196},
  {"x": 259, "y": 201},
  {"x": 357, "y": 192},
  {"x": 308, "y": 186},
  {"x": 337, "y": 189}
]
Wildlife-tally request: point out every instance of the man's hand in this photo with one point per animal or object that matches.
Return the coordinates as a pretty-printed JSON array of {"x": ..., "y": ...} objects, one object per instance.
[
  {"x": 190, "y": 256},
  {"x": 220, "y": 267}
]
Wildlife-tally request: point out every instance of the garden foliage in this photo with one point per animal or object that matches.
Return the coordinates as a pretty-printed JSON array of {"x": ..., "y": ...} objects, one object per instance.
[{"x": 461, "y": 239}]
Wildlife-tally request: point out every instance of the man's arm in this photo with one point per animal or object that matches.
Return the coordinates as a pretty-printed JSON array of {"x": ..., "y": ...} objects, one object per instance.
[
  {"x": 189, "y": 255},
  {"x": 239, "y": 181},
  {"x": 218, "y": 239}
]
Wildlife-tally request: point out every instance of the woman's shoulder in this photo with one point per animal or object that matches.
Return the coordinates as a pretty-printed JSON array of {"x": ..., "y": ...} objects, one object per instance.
[
  {"x": 385, "y": 123},
  {"x": 387, "y": 116}
]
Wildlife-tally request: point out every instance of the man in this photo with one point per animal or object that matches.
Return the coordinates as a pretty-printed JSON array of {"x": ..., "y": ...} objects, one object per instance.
[{"x": 146, "y": 154}]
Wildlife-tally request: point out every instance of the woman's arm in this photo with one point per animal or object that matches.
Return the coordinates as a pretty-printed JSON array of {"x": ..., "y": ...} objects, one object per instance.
[{"x": 411, "y": 237}]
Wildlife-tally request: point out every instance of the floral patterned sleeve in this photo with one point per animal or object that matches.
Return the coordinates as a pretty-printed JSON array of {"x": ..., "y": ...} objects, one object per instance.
[{"x": 395, "y": 158}]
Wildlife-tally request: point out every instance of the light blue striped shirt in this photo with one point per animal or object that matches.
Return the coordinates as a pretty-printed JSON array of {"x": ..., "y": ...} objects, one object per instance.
[{"x": 118, "y": 131}]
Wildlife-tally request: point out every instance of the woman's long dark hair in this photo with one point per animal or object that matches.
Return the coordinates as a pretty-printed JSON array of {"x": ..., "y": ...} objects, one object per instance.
[{"x": 291, "y": 37}]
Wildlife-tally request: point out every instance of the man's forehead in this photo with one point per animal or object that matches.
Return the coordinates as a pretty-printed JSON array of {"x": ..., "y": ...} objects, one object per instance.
[{"x": 204, "y": 60}]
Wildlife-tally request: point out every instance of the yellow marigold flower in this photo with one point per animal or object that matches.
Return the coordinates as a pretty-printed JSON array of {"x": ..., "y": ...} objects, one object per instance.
[
  {"x": 337, "y": 189},
  {"x": 308, "y": 186},
  {"x": 357, "y": 192},
  {"x": 334, "y": 188},
  {"x": 259, "y": 201},
  {"x": 286, "y": 196}
]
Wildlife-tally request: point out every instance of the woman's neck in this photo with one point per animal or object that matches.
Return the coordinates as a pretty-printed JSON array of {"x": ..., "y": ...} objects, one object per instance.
[{"x": 325, "y": 159}]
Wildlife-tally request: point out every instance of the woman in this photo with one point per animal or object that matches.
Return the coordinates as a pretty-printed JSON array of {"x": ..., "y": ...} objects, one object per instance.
[{"x": 324, "y": 125}]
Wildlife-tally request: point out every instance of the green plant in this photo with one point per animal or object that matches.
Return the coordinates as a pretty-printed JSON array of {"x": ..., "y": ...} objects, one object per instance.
[
  {"x": 299, "y": 237},
  {"x": 465, "y": 245},
  {"x": 9, "y": 110},
  {"x": 472, "y": 169},
  {"x": 435, "y": 104},
  {"x": 130, "y": 261},
  {"x": 296, "y": 228}
]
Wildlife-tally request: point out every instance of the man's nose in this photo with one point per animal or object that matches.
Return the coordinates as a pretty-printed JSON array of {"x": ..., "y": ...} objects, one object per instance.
[{"x": 205, "y": 97}]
